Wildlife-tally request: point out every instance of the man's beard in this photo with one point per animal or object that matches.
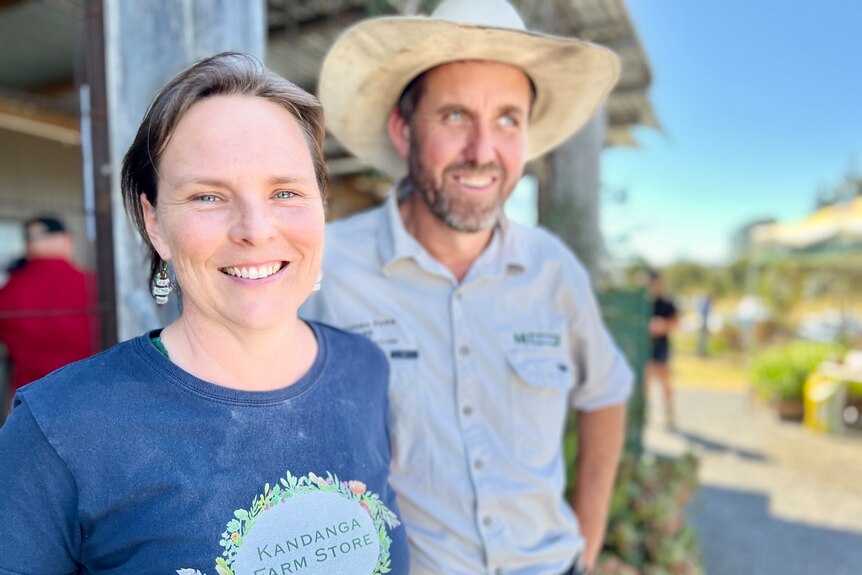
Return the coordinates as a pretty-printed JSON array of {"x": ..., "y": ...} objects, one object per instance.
[{"x": 453, "y": 207}]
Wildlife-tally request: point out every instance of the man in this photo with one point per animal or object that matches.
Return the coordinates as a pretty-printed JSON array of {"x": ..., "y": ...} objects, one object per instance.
[
  {"x": 46, "y": 308},
  {"x": 661, "y": 324},
  {"x": 491, "y": 328}
]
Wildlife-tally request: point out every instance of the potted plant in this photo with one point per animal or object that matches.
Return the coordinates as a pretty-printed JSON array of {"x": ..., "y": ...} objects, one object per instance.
[{"x": 778, "y": 374}]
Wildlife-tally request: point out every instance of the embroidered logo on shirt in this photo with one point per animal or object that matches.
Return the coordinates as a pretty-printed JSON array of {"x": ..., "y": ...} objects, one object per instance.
[
  {"x": 538, "y": 338},
  {"x": 382, "y": 331},
  {"x": 310, "y": 525}
]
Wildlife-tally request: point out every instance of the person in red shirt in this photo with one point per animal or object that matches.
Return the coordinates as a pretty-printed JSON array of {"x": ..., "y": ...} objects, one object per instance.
[{"x": 48, "y": 306}]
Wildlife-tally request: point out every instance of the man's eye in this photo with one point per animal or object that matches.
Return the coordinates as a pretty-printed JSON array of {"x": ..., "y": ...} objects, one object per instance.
[
  {"x": 207, "y": 198},
  {"x": 285, "y": 194},
  {"x": 508, "y": 121},
  {"x": 455, "y": 116}
]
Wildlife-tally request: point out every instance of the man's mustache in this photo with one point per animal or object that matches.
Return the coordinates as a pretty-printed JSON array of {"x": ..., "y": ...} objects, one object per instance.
[{"x": 491, "y": 168}]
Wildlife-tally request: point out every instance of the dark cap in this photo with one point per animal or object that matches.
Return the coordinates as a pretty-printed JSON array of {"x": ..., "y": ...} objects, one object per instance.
[{"x": 35, "y": 228}]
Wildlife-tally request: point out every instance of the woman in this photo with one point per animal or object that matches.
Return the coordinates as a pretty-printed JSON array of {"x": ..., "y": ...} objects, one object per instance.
[{"x": 238, "y": 439}]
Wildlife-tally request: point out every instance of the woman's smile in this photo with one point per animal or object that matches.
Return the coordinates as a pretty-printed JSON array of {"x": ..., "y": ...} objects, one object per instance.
[
  {"x": 239, "y": 196},
  {"x": 254, "y": 272}
]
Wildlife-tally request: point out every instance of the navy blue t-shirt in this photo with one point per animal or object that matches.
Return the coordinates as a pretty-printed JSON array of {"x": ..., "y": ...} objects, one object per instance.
[{"x": 125, "y": 463}]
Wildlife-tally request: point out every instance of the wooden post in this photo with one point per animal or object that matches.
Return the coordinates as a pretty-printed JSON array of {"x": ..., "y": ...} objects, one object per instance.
[{"x": 571, "y": 197}]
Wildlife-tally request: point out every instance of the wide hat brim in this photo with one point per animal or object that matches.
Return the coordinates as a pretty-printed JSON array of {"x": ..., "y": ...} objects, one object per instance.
[{"x": 369, "y": 66}]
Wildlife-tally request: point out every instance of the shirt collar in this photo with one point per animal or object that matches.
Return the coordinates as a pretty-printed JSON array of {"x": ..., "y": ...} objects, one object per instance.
[
  {"x": 394, "y": 241},
  {"x": 507, "y": 249}
]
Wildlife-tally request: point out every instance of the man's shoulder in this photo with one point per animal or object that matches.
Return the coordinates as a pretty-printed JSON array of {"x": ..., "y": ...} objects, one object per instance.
[
  {"x": 667, "y": 303},
  {"x": 366, "y": 222},
  {"x": 18, "y": 292},
  {"x": 539, "y": 238},
  {"x": 353, "y": 243},
  {"x": 46, "y": 271},
  {"x": 542, "y": 245}
]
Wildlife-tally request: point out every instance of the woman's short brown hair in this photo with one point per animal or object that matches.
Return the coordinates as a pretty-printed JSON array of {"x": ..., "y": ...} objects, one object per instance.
[{"x": 228, "y": 73}]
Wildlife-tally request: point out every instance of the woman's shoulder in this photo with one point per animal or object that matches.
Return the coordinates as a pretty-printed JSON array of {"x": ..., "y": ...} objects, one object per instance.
[
  {"x": 89, "y": 380},
  {"x": 345, "y": 351}
]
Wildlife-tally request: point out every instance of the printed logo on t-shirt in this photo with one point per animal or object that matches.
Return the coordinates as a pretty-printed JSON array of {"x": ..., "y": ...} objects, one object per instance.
[{"x": 311, "y": 525}]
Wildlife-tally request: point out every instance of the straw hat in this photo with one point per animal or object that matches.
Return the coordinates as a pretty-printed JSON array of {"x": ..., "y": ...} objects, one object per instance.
[{"x": 368, "y": 67}]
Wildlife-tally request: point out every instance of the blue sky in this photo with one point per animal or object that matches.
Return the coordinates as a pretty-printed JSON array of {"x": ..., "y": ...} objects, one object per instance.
[{"x": 760, "y": 102}]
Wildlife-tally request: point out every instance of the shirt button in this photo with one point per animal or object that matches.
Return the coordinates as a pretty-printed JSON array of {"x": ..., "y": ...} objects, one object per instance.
[
  {"x": 478, "y": 464},
  {"x": 498, "y": 571},
  {"x": 459, "y": 296},
  {"x": 467, "y": 410},
  {"x": 464, "y": 350},
  {"x": 487, "y": 521}
]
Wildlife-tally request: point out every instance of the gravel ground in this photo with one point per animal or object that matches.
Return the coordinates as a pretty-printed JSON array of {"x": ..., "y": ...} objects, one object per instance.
[{"x": 775, "y": 498}]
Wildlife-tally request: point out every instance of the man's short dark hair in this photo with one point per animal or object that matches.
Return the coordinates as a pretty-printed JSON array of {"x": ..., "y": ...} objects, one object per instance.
[
  {"x": 412, "y": 93},
  {"x": 42, "y": 226},
  {"x": 409, "y": 100}
]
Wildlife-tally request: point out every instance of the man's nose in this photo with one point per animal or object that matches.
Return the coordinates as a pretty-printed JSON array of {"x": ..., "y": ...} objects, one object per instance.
[{"x": 480, "y": 148}]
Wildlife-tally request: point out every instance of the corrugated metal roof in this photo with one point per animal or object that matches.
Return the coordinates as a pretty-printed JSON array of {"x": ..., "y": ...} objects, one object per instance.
[
  {"x": 38, "y": 44},
  {"x": 40, "y": 49},
  {"x": 297, "y": 52},
  {"x": 604, "y": 22}
]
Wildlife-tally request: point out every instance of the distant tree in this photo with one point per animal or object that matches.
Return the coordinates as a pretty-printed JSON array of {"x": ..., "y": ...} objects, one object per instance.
[
  {"x": 740, "y": 240},
  {"x": 687, "y": 277},
  {"x": 632, "y": 274},
  {"x": 848, "y": 188},
  {"x": 736, "y": 275},
  {"x": 782, "y": 287}
]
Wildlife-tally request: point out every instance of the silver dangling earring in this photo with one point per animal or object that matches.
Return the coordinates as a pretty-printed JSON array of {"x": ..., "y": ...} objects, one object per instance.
[
  {"x": 162, "y": 287},
  {"x": 316, "y": 286}
]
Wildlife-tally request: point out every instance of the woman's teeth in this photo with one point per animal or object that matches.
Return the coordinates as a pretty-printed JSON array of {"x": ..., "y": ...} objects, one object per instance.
[{"x": 253, "y": 273}]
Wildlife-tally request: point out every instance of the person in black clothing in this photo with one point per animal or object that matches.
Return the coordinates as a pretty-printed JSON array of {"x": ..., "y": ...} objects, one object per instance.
[{"x": 661, "y": 324}]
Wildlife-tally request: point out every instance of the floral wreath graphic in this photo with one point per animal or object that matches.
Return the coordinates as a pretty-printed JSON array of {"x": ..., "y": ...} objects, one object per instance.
[{"x": 290, "y": 486}]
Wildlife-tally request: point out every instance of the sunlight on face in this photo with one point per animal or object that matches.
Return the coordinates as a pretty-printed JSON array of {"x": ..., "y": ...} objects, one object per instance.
[
  {"x": 239, "y": 212},
  {"x": 468, "y": 140}
]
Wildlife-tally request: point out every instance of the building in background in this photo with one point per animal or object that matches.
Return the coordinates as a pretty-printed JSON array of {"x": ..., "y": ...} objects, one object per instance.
[{"x": 76, "y": 75}]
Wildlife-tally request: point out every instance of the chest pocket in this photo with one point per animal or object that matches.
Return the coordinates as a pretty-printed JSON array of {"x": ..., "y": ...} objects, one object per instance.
[{"x": 542, "y": 381}]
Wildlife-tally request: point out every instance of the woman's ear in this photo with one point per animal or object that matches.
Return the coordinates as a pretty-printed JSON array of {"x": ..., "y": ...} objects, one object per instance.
[
  {"x": 153, "y": 231},
  {"x": 399, "y": 132}
]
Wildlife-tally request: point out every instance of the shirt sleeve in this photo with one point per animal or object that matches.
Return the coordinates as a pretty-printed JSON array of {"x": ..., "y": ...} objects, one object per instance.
[
  {"x": 604, "y": 376},
  {"x": 38, "y": 501}
]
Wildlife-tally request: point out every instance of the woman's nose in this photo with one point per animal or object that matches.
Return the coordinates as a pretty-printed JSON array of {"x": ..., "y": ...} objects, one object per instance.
[{"x": 254, "y": 223}]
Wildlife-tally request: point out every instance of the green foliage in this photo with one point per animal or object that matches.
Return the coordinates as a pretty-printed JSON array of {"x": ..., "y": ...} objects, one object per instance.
[
  {"x": 646, "y": 529},
  {"x": 626, "y": 313},
  {"x": 849, "y": 187},
  {"x": 725, "y": 342},
  {"x": 780, "y": 372},
  {"x": 688, "y": 277},
  {"x": 691, "y": 278},
  {"x": 781, "y": 287}
]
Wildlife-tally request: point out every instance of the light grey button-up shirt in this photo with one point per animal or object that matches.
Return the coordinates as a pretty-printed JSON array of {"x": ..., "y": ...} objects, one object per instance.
[{"x": 483, "y": 374}]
